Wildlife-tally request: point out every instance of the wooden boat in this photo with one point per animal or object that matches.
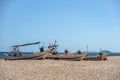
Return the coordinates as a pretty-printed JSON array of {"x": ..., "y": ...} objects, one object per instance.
[
  {"x": 67, "y": 57},
  {"x": 41, "y": 55},
  {"x": 70, "y": 54},
  {"x": 16, "y": 55},
  {"x": 99, "y": 57}
]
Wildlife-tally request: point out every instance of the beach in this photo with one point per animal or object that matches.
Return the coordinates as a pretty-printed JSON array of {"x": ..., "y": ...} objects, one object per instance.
[{"x": 60, "y": 69}]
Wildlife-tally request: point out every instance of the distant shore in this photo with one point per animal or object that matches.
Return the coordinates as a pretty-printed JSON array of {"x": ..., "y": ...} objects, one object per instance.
[{"x": 60, "y": 69}]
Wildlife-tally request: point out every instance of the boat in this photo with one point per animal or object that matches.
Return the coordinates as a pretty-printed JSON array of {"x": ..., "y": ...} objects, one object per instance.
[
  {"x": 70, "y": 54},
  {"x": 16, "y": 54},
  {"x": 102, "y": 56},
  {"x": 39, "y": 56},
  {"x": 54, "y": 55},
  {"x": 67, "y": 57}
]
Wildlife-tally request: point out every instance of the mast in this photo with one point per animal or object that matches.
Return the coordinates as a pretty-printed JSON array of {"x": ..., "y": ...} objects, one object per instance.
[{"x": 87, "y": 48}]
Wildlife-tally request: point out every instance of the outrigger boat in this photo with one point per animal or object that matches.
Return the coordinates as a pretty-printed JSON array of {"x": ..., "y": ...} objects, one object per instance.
[
  {"x": 16, "y": 55},
  {"x": 67, "y": 57},
  {"x": 101, "y": 56},
  {"x": 71, "y": 56},
  {"x": 32, "y": 57}
]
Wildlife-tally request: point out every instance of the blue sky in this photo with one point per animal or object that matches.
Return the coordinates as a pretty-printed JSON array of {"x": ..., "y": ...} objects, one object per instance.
[{"x": 73, "y": 23}]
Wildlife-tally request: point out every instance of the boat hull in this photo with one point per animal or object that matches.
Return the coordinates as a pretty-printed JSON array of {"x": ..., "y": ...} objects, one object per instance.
[
  {"x": 100, "y": 57},
  {"x": 32, "y": 57},
  {"x": 67, "y": 57}
]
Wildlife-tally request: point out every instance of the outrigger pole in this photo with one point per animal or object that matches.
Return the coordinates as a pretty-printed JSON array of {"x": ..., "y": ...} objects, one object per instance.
[{"x": 26, "y": 44}]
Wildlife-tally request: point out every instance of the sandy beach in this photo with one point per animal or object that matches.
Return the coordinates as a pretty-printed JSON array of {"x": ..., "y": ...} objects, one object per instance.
[{"x": 60, "y": 70}]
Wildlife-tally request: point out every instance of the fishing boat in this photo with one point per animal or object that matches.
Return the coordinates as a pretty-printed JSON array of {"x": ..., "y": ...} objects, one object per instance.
[
  {"x": 102, "y": 56},
  {"x": 67, "y": 57},
  {"x": 16, "y": 54},
  {"x": 41, "y": 55}
]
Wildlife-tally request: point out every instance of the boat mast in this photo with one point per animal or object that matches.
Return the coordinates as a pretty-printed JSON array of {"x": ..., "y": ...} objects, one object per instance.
[{"x": 87, "y": 48}]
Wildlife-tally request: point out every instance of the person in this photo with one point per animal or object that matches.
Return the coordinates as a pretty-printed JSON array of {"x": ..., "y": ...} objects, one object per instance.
[
  {"x": 79, "y": 52},
  {"x": 41, "y": 49},
  {"x": 49, "y": 49},
  {"x": 101, "y": 53},
  {"x": 16, "y": 51},
  {"x": 66, "y": 51}
]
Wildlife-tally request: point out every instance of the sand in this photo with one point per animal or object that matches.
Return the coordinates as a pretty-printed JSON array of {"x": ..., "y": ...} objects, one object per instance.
[{"x": 60, "y": 70}]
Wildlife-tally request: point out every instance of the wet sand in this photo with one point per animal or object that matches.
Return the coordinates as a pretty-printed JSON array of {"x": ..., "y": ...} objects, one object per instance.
[{"x": 60, "y": 70}]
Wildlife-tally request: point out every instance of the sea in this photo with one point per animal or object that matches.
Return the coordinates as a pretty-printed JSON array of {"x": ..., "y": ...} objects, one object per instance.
[{"x": 2, "y": 56}]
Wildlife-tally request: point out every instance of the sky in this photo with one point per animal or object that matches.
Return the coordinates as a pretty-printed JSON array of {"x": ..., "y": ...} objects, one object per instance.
[{"x": 75, "y": 24}]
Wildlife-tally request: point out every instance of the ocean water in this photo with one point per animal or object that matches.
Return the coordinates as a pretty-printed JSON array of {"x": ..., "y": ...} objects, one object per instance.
[
  {"x": 2, "y": 56},
  {"x": 89, "y": 54}
]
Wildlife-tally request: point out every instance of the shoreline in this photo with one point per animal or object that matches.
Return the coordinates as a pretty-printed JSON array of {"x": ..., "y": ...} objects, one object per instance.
[
  {"x": 60, "y": 69},
  {"x": 95, "y": 55}
]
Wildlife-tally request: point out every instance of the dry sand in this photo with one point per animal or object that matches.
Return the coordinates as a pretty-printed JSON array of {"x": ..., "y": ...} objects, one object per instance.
[{"x": 60, "y": 70}]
